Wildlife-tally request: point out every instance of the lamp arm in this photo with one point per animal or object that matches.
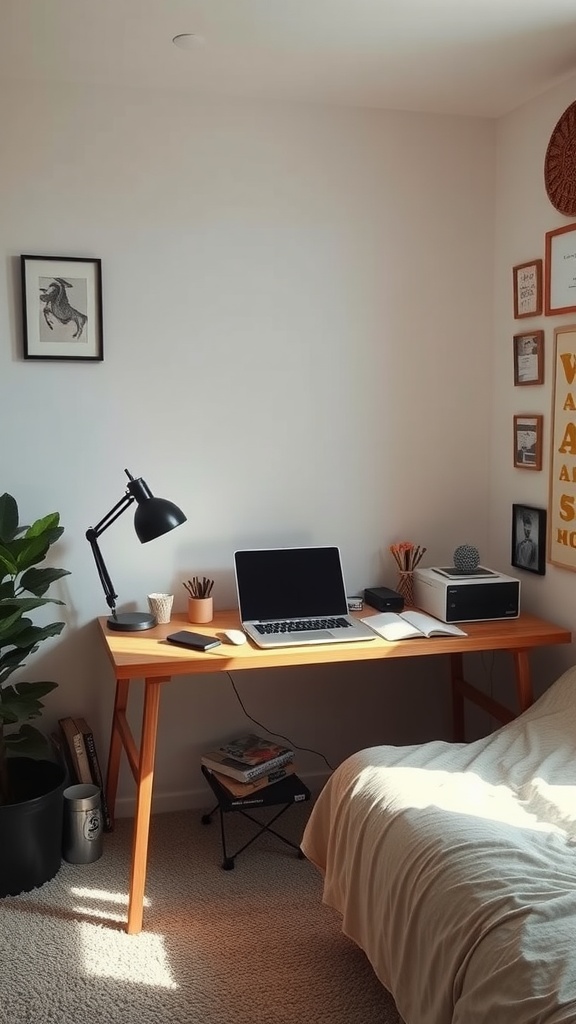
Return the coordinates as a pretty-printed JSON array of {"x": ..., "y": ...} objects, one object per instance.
[
  {"x": 92, "y": 538},
  {"x": 112, "y": 515},
  {"x": 102, "y": 570}
]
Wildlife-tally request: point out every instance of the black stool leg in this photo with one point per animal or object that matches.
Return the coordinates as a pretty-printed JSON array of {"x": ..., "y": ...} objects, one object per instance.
[
  {"x": 206, "y": 819},
  {"x": 228, "y": 862}
]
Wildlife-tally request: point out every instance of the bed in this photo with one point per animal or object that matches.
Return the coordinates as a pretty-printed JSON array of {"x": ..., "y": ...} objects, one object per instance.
[{"x": 453, "y": 866}]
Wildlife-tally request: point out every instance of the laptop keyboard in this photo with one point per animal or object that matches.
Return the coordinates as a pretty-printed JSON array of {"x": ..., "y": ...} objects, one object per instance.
[{"x": 266, "y": 628}]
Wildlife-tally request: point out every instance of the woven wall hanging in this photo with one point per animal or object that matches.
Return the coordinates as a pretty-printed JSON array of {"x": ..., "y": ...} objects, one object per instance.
[{"x": 560, "y": 164}]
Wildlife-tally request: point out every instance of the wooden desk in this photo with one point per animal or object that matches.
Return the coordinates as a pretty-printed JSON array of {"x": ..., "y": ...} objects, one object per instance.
[{"x": 146, "y": 656}]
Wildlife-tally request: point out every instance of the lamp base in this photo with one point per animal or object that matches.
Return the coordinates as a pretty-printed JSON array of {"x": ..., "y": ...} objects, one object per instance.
[{"x": 129, "y": 622}]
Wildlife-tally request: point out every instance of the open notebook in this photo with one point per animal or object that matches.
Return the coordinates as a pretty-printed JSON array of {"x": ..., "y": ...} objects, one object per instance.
[{"x": 410, "y": 625}]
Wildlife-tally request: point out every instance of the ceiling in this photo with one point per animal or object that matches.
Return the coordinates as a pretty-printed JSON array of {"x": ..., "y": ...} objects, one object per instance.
[{"x": 471, "y": 57}]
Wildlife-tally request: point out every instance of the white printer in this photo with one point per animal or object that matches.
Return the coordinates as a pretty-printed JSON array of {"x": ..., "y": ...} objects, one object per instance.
[{"x": 453, "y": 596}]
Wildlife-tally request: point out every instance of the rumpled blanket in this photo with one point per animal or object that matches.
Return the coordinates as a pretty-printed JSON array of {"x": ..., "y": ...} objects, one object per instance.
[{"x": 453, "y": 867}]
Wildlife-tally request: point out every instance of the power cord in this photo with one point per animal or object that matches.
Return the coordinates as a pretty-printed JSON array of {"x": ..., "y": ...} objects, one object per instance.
[{"x": 291, "y": 743}]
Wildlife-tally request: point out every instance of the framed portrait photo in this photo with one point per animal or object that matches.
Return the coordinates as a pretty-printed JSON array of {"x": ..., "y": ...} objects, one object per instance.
[
  {"x": 529, "y": 538},
  {"x": 560, "y": 290},
  {"x": 527, "y": 278},
  {"x": 62, "y": 307},
  {"x": 529, "y": 358},
  {"x": 528, "y": 441}
]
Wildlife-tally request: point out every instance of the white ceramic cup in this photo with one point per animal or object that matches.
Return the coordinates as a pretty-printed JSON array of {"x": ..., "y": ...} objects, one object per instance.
[{"x": 161, "y": 606}]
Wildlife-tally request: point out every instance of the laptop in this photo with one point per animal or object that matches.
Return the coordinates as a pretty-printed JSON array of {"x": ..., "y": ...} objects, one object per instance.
[{"x": 294, "y": 596}]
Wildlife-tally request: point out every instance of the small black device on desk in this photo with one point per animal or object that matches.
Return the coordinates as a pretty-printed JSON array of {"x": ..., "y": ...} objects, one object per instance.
[
  {"x": 384, "y": 599},
  {"x": 196, "y": 641}
]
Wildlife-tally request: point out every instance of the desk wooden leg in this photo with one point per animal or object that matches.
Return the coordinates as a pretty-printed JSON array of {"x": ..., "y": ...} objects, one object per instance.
[
  {"x": 461, "y": 689},
  {"x": 144, "y": 782},
  {"x": 524, "y": 690},
  {"x": 457, "y": 679},
  {"x": 115, "y": 752}
]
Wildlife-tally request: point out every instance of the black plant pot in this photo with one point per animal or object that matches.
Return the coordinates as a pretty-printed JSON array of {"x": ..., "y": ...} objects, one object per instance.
[{"x": 31, "y": 829}]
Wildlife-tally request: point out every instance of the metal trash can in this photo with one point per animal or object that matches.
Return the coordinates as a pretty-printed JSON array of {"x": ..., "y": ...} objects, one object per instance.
[{"x": 82, "y": 832}]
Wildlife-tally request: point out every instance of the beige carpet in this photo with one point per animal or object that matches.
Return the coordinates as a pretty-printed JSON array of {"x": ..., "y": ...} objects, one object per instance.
[{"x": 250, "y": 946}]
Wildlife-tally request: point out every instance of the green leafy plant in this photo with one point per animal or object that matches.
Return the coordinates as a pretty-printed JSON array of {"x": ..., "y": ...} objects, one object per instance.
[{"x": 22, "y": 589}]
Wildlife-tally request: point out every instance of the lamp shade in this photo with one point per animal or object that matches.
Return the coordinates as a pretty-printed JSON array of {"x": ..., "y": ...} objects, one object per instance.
[
  {"x": 156, "y": 516},
  {"x": 153, "y": 516}
]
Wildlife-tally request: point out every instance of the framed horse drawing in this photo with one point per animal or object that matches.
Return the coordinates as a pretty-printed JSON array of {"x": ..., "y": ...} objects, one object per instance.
[{"x": 62, "y": 307}]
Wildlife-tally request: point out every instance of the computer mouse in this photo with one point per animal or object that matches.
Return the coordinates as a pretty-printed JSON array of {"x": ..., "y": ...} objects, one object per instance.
[{"x": 235, "y": 636}]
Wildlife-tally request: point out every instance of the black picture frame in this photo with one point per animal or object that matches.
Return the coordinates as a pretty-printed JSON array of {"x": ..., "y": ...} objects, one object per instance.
[
  {"x": 528, "y": 358},
  {"x": 529, "y": 538},
  {"x": 62, "y": 308}
]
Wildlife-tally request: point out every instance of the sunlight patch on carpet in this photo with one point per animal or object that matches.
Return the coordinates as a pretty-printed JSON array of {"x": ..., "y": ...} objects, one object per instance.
[
  {"x": 100, "y": 894},
  {"x": 99, "y": 903},
  {"x": 139, "y": 959}
]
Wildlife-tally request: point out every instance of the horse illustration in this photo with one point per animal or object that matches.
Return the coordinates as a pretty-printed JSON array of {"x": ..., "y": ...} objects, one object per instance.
[{"x": 56, "y": 305}]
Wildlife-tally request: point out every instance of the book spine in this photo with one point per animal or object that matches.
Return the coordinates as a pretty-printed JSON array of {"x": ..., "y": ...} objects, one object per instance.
[
  {"x": 97, "y": 778},
  {"x": 237, "y": 789},
  {"x": 84, "y": 772},
  {"x": 224, "y": 769},
  {"x": 78, "y": 757},
  {"x": 251, "y": 774},
  {"x": 257, "y": 800},
  {"x": 257, "y": 771}
]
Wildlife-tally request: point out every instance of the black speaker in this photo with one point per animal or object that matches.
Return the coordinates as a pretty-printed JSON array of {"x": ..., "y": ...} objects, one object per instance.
[{"x": 384, "y": 599}]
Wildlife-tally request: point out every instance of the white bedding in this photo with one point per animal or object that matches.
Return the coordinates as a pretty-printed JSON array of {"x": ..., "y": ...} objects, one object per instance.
[{"x": 454, "y": 868}]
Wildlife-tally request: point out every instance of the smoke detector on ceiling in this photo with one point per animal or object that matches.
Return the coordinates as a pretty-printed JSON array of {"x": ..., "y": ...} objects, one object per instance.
[{"x": 189, "y": 41}]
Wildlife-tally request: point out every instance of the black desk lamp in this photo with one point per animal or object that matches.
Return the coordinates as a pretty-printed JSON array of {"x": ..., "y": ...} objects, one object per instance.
[{"x": 152, "y": 518}]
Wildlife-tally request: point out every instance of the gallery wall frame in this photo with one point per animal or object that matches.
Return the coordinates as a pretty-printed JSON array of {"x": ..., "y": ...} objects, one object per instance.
[
  {"x": 529, "y": 538},
  {"x": 528, "y": 432},
  {"x": 528, "y": 358},
  {"x": 62, "y": 307},
  {"x": 560, "y": 278},
  {"x": 527, "y": 282},
  {"x": 562, "y": 481}
]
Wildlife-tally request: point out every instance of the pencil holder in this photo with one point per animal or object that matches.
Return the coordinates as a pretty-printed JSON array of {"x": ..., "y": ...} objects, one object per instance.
[
  {"x": 200, "y": 609},
  {"x": 161, "y": 606},
  {"x": 405, "y": 587},
  {"x": 407, "y": 556}
]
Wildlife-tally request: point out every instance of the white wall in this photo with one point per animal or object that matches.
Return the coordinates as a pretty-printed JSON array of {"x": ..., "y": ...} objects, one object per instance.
[
  {"x": 523, "y": 216},
  {"x": 270, "y": 275}
]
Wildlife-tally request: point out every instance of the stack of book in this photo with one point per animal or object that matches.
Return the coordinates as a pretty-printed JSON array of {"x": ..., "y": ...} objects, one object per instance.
[
  {"x": 78, "y": 750},
  {"x": 248, "y": 764}
]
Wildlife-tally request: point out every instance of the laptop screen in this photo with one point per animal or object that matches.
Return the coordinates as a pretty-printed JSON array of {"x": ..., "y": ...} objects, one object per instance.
[{"x": 290, "y": 583}]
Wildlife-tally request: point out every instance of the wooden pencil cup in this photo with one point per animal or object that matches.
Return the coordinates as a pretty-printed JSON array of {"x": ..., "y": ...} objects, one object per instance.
[{"x": 200, "y": 609}]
